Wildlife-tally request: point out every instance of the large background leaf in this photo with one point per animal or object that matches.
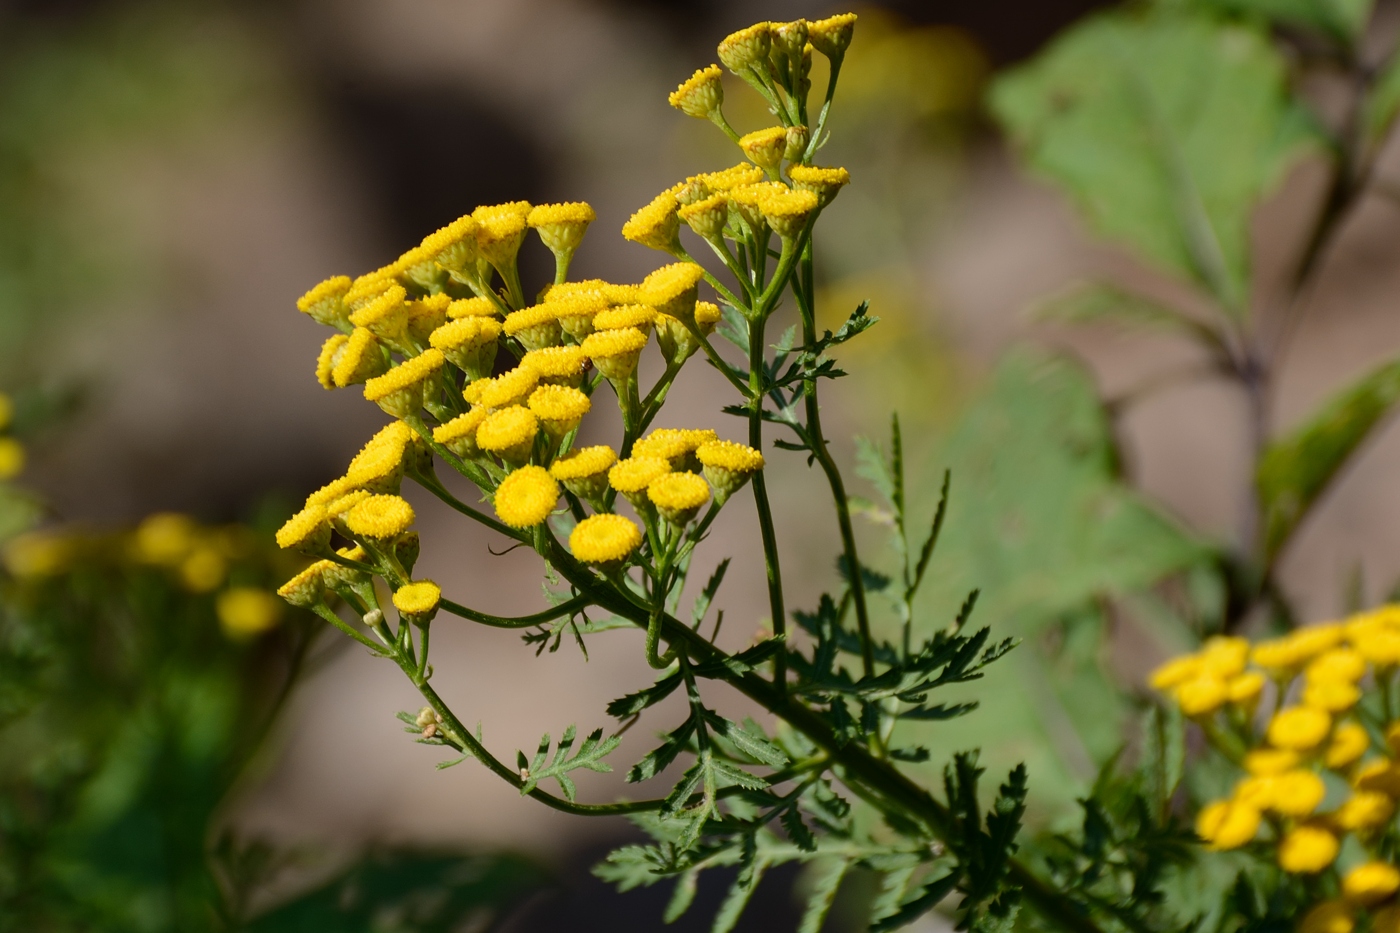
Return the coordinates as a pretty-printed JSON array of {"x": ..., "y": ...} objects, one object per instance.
[
  {"x": 1166, "y": 129},
  {"x": 1041, "y": 522},
  {"x": 1296, "y": 468}
]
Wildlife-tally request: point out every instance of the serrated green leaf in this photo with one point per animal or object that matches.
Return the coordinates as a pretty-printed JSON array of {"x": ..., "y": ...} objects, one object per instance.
[
  {"x": 657, "y": 760},
  {"x": 1166, "y": 128},
  {"x": 738, "y": 897},
  {"x": 748, "y": 741},
  {"x": 682, "y": 896},
  {"x": 634, "y": 703},
  {"x": 927, "y": 898},
  {"x": 589, "y": 757},
  {"x": 826, "y": 875},
  {"x": 1296, "y": 468}
]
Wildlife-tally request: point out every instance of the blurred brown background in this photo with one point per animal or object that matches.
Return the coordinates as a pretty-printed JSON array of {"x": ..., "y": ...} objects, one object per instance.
[{"x": 174, "y": 175}]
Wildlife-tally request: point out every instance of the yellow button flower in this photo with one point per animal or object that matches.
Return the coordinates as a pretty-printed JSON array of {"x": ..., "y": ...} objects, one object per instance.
[
  {"x": 463, "y": 308},
  {"x": 246, "y": 611},
  {"x": 1307, "y": 850},
  {"x": 832, "y": 36},
  {"x": 561, "y": 226},
  {"x": 707, "y": 216},
  {"x": 615, "y": 352},
  {"x": 585, "y": 472},
  {"x": 400, "y": 391},
  {"x": 1224, "y": 657},
  {"x": 360, "y": 359},
  {"x": 678, "y": 496},
  {"x": 1334, "y": 696},
  {"x": 701, "y": 94},
  {"x": 459, "y": 434},
  {"x": 823, "y": 182},
  {"x": 787, "y": 213},
  {"x": 500, "y": 231},
  {"x": 512, "y": 387},
  {"x": 672, "y": 289},
  {"x": 1227, "y": 824},
  {"x": 1202, "y": 695},
  {"x": 1301, "y": 728},
  {"x": 557, "y": 365},
  {"x": 1381, "y": 776},
  {"x": 509, "y": 434},
  {"x": 1264, "y": 761},
  {"x": 325, "y": 304},
  {"x": 1349, "y": 742},
  {"x": 1365, "y": 810},
  {"x": 454, "y": 248},
  {"x": 469, "y": 343},
  {"x": 1370, "y": 883},
  {"x": 307, "y": 588},
  {"x": 747, "y": 47},
  {"x": 536, "y": 326},
  {"x": 656, "y": 225},
  {"x": 1297, "y": 793},
  {"x": 559, "y": 408},
  {"x": 632, "y": 476},
  {"x": 638, "y": 316},
  {"x": 605, "y": 539},
  {"x": 1245, "y": 689},
  {"x": 331, "y": 352},
  {"x": 1344, "y": 664},
  {"x": 526, "y": 497},
  {"x": 307, "y": 531},
  {"x": 728, "y": 466},
  {"x": 1175, "y": 672},
  {"x": 418, "y": 600},
  {"x": 380, "y": 518}
]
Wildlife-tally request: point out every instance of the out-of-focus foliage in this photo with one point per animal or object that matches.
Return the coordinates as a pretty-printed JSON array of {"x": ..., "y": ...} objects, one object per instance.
[
  {"x": 140, "y": 674},
  {"x": 1166, "y": 129},
  {"x": 77, "y": 100},
  {"x": 1041, "y": 522}
]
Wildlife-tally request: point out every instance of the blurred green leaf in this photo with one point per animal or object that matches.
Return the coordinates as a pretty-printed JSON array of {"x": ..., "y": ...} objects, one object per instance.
[
  {"x": 1042, "y": 523},
  {"x": 1166, "y": 129},
  {"x": 1343, "y": 20},
  {"x": 1296, "y": 469},
  {"x": 19, "y": 511},
  {"x": 1384, "y": 101},
  {"x": 1101, "y": 303},
  {"x": 408, "y": 892}
]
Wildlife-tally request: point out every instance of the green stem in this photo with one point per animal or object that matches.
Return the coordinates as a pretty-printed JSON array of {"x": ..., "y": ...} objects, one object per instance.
[
  {"x": 760, "y": 496},
  {"x": 539, "y": 618},
  {"x": 817, "y": 441}
]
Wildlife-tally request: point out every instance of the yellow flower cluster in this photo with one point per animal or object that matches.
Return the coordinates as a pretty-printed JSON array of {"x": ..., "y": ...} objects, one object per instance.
[
  {"x": 1328, "y": 736},
  {"x": 11, "y": 451}
]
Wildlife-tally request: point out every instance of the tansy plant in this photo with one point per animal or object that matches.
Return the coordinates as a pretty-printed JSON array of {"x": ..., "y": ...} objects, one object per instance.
[{"x": 617, "y": 527}]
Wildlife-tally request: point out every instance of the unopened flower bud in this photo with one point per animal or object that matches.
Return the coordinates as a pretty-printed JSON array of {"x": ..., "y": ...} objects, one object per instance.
[
  {"x": 765, "y": 148},
  {"x": 797, "y": 139},
  {"x": 746, "y": 47}
]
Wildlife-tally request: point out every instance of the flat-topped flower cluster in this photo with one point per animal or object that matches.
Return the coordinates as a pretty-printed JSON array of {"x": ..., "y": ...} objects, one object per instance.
[{"x": 1310, "y": 720}]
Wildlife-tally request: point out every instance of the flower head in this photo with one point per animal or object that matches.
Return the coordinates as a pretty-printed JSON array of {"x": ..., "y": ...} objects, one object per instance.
[
  {"x": 701, "y": 94},
  {"x": 325, "y": 304},
  {"x": 379, "y": 464},
  {"x": 307, "y": 531},
  {"x": 1301, "y": 728},
  {"x": 1297, "y": 648},
  {"x": 386, "y": 316},
  {"x": 557, "y": 365},
  {"x": 471, "y": 307},
  {"x": 672, "y": 289},
  {"x": 359, "y": 360},
  {"x": 454, "y": 247},
  {"x": 823, "y": 182},
  {"x": 788, "y": 211},
  {"x": 1364, "y": 811},
  {"x": 584, "y": 472},
  {"x": 678, "y": 496},
  {"x": 1296, "y": 793},
  {"x": 469, "y": 343},
  {"x": 500, "y": 230},
  {"x": 676, "y": 445},
  {"x": 1270, "y": 761},
  {"x": 307, "y": 588},
  {"x": 245, "y": 611},
  {"x": 832, "y": 36},
  {"x": 459, "y": 434},
  {"x": 1349, "y": 742},
  {"x": 1370, "y": 883},
  {"x": 632, "y": 476},
  {"x": 1227, "y": 824},
  {"x": 736, "y": 176},
  {"x": 615, "y": 352},
  {"x": 536, "y": 326},
  {"x": 604, "y": 539},
  {"x": 400, "y": 391},
  {"x": 380, "y": 518},
  {"x": 1329, "y": 917},
  {"x": 512, "y": 387},
  {"x": 616, "y": 318},
  {"x": 330, "y": 354},
  {"x": 561, "y": 226},
  {"x": 1202, "y": 695},
  {"x": 526, "y": 497},
  {"x": 559, "y": 408},
  {"x": 747, "y": 47},
  {"x": 1337, "y": 664},
  {"x": 418, "y": 600},
  {"x": 1307, "y": 849},
  {"x": 655, "y": 225},
  {"x": 707, "y": 216},
  {"x": 728, "y": 466},
  {"x": 509, "y": 433},
  {"x": 765, "y": 147}
]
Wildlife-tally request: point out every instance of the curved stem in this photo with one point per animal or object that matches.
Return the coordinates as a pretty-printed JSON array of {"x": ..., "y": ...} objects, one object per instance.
[
  {"x": 539, "y": 618},
  {"x": 773, "y": 570}
]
